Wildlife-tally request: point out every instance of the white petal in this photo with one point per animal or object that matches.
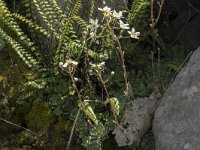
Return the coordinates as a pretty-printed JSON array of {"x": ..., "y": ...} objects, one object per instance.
[
  {"x": 133, "y": 30},
  {"x": 102, "y": 63},
  {"x": 65, "y": 65},
  {"x": 91, "y": 21},
  {"x": 89, "y": 26},
  {"x": 75, "y": 63},
  {"x": 137, "y": 33},
  {"x": 133, "y": 36},
  {"x": 130, "y": 32},
  {"x": 100, "y": 9},
  {"x": 106, "y": 8}
]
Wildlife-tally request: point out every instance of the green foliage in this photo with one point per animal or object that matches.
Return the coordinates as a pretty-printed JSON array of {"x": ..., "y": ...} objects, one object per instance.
[
  {"x": 25, "y": 56},
  {"x": 2, "y": 44},
  {"x": 51, "y": 46},
  {"x": 60, "y": 37},
  {"x": 139, "y": 16},
  {"x": 52, "y": 83},
  {"x": 40, "y": 117}
]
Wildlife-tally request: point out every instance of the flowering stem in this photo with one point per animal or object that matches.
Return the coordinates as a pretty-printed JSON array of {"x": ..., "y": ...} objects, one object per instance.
[
  {"x": 75, "y": 87},
  {"x": 121, "y": 52},
  {"x": 103, "y": 83}
]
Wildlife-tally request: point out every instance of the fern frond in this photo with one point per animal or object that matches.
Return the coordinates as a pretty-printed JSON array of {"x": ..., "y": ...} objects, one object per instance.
[
  {"x": 80, "y": 22},
  {"x": 76, "y": 8},
  {"x": 9, "y": 21},
  {"x": 139, "y": 15},
  {"x": 47, "y": 15},
  {"x": 91, "y": 9},
  {"x": 27, "y": 9},
  {"x": 68, "y": 38},
  {"x": 30, "y": 24},
  {"x": 59, "y": 12},
  {"x": 25, "y": 56},
  {"x": 67, "y": 7}
]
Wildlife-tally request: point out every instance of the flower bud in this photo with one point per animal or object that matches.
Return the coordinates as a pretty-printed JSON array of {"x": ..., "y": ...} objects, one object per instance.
[
  {"x": 60, "y": 64},
  {"x": 75, "y": 79},
  {"x": 112, "y": 73}
]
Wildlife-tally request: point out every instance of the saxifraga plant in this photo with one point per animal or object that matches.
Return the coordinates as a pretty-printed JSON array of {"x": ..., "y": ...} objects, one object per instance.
[{"x": 71, "y": 73}]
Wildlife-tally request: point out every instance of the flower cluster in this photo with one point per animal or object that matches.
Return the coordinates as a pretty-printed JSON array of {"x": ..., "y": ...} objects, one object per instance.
[
  {"x": 106, "y": 11},
  {"x": 111, "y": 15},
  {"x": 93, "y": 27},
  {"x": 117, "y": 15},
  {"x": 97, "y": 67},
  {"x": 69, "y": 65}
]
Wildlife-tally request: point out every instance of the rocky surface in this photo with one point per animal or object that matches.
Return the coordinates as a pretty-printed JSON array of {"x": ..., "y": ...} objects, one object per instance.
[
  {"x": 176, "y": 124},
  {"x": 136, "y": 120}
]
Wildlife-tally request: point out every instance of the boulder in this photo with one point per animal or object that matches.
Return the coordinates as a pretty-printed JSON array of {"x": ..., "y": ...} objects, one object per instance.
[
  {"x": 176, "y": 124},
  {"x": 137, "y": 119}
]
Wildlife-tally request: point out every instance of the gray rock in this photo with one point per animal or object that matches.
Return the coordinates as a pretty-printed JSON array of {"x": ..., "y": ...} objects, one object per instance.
[
  {"x": 176, "y": 124},
  {"x": 136, "y": 122}
]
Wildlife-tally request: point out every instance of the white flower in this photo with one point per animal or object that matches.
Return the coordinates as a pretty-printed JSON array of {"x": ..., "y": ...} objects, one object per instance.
[
  {"x": 101, "y": 65},
  {"x": 93, "y": 24},
  {"x": 98, "y": 67},
  {"x": 70, "y": 62},
  {"x": 123, "y": 25},
  {"x": 134, "y": 34},
  {"x": 117, "y": 15},
  {"x": 60, "y": 64},
  {"x": 92, "y": 34},
  {"x": 106, "y": 11},
  {"x": 93, "y": 65}
]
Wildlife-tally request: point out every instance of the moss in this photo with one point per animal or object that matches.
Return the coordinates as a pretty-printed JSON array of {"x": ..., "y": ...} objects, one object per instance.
[
  {"x": 40, "y": 117},
  {"x": 59, "y": 133},
  {"x": 30, "y": 141},
  {"x": 63, "y": 125}
]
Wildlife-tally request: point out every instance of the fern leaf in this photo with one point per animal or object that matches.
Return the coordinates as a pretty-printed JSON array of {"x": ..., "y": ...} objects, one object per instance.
[
  {"x": 81, "y": 22},
  {"x": 9, "y": 21},
  {"x": 139, "y": 15},
  {"x": 31, "y": 24},
  {"x": 25, "y": 56}
]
